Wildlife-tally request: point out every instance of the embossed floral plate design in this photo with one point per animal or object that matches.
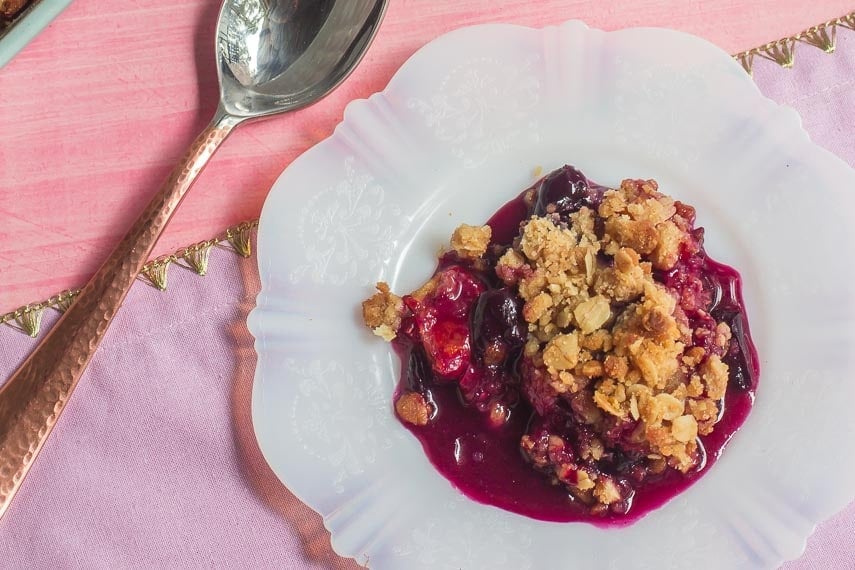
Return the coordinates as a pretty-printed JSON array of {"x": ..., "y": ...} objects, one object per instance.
[{"x": 459, "y": 131}]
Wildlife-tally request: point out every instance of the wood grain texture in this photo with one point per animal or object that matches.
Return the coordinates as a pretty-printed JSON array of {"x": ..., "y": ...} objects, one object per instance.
[{"x": 98, "y": 109}]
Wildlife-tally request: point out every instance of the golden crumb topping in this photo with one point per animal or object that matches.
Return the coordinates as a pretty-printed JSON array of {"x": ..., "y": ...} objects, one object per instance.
[
  {"x": 470, "y": 242},
  {"x": 413, "y": 408},
  {"x": 596, "y": 314},
  {"x": 382, "y": 312},
  {"x": 599, "y": 319}
]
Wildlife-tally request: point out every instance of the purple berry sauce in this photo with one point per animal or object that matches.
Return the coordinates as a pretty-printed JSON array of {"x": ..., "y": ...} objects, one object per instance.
[{"x": 482, "y": 457}]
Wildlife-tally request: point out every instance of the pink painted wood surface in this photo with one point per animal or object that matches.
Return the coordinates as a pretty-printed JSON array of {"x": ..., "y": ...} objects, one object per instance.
[{"x": 96, "y": 111}]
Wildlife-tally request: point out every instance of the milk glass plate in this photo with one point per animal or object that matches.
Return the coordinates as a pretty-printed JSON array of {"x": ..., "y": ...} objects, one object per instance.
[{"x": 457, "y": 133}]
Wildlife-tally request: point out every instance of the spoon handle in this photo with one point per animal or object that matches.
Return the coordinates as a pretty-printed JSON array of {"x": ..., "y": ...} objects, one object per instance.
[{"x": 36, "y": 394}]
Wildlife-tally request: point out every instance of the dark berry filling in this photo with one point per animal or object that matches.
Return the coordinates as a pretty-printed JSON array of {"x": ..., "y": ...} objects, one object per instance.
[{"x": 461, "y": 343}]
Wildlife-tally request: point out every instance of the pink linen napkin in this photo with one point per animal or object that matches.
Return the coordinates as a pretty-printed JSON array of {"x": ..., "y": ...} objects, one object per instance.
[{"x": 154, "y": 463}]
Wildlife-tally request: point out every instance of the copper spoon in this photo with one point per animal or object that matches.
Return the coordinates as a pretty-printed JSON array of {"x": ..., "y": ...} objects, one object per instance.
[{"x": 273, "y": 56}]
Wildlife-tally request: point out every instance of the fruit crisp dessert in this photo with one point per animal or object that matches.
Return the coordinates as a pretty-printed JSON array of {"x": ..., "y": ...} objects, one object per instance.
[
  {"x": 12, "y": 12},
  {"x": 10, "y": 8},
  {"x": 579, "y": 357}
]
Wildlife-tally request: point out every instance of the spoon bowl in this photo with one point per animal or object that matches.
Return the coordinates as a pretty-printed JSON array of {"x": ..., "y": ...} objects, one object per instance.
[
  {"x": 280, "y": 56},
  {"x": 273, "y": 56}
]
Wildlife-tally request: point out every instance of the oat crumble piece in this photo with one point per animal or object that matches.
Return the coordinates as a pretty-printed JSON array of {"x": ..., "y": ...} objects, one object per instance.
[
  {"x": 413, "y": 408},
  {"x": 606, "y": 491},
  {"x": 382, "y": 312},
  {"x": 471, "y": 242}
]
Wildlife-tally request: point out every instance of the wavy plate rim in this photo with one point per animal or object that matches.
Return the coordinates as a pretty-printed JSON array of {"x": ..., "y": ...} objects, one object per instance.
[{"x": 788, "y": 117}]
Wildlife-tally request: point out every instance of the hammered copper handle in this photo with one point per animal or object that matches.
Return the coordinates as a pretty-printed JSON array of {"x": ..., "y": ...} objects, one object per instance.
[{"x": 35, "y": 396}]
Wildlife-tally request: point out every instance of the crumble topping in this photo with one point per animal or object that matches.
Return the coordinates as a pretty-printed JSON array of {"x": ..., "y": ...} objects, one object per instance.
[
  {"x": 471, "y": 242},
  {"x": 413, "y": 408},
  {"x": 382, "y": 312},
  {"x": 596, "y": 315},
  {"x": 599, "y": 321}
]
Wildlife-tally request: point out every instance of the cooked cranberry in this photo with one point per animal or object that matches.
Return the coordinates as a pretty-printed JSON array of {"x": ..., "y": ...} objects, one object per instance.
[
  {"x": 563, "y": 191},
  {"x": 442, "y": 320},
  {"x": 498, "y": 317},
  {"x": 456, "y": 291},
  {"x": 485, "y": 386},
  {"x": 447, "y": 344}
]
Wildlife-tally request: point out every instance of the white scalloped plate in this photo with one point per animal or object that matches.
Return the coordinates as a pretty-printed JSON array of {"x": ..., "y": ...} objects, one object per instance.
[{"x": 458, "y": 132}]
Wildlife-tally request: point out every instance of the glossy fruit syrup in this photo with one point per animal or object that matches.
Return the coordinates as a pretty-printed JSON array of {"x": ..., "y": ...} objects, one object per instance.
[{"x": 472, "y": 327}]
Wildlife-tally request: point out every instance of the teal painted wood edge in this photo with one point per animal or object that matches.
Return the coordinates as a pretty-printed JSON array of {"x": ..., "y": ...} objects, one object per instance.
[{"x": 28, "y": 26}]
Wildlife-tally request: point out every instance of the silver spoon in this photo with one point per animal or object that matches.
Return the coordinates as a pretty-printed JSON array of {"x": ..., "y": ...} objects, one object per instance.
[{"x": 274, "y": 56}]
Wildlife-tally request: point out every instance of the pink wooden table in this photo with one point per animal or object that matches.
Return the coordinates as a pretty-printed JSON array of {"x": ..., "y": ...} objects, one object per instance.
[{"x": 96, "y": 111}]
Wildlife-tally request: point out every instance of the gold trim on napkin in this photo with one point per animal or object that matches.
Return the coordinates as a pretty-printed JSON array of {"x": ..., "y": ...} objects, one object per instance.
[
  {"x": 783, "y": 51},
  {"x": 28, "y": 318}
]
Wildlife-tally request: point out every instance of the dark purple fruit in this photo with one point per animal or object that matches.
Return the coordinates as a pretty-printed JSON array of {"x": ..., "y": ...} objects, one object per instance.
[
  {"x": 498, "y": 318},
  {"x": 740, "y": 358},
  {"x": 563, "y": 191},
  {"x": 419, "y": 372}
]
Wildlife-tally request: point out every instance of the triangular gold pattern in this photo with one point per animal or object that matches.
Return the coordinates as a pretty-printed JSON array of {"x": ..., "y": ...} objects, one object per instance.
[
  {"x": 196, "y": 258},
  {"x": 30, "y": 320},
  {"x": 240, "y": 238},
  {"x": 825, "y": 37},
  {"x": 783, "y": 52},
  {"x": 747, "y": 61},
  {"x": 62, "y": 301},
  {"x": 156, "y": 273}
]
